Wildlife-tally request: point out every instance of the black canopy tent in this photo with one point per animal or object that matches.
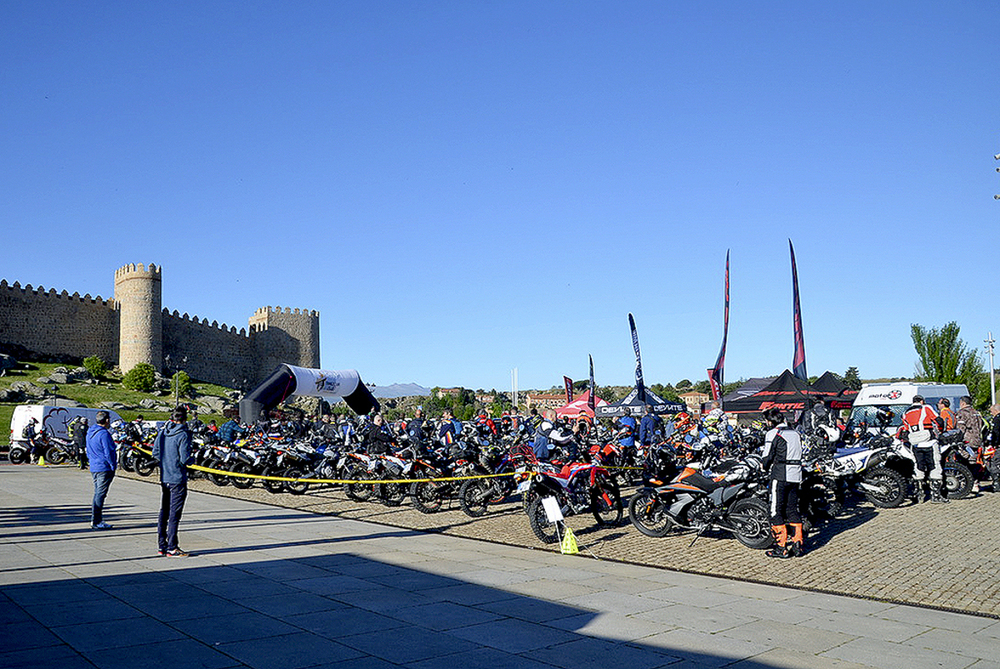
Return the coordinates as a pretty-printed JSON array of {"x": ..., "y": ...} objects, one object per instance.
[
  {"x": 843, "y": 397},
  {"x": 786, "y": 392},
  {"x": 632, "y": 405},
  {"x": 288, "y": 380}
]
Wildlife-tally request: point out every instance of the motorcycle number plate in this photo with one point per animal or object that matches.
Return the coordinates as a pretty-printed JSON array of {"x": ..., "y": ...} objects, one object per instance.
[{"x": 524, "y": 485}]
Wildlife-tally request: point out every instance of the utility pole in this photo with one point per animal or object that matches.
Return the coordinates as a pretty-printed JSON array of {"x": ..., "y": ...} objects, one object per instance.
[{"x": 993, "y": 384}]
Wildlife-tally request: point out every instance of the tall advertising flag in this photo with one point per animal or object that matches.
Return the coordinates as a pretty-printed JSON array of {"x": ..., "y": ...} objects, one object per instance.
[
  {"x": 799, "y": 356},
  {"x": 568, "y": 382},
  {"x": 639, "y": 385},
  {"x": 592, "y": 400},
  {"x": 716, "y": 374}
]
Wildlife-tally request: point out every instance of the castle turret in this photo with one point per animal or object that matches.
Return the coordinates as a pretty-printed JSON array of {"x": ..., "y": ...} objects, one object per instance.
[
  {"x": 284, "y": 336},
  {"x": 138, "y": 298}
]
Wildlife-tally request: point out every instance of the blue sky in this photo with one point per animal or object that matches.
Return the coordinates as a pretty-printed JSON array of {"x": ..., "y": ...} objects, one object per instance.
[{"x": 465, "y": 188}]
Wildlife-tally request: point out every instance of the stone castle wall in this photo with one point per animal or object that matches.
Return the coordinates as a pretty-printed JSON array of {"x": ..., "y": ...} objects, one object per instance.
[{"x": 134, "y": 328}]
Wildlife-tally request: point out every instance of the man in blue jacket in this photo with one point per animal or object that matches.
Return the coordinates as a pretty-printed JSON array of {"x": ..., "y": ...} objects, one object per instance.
[
  {"x": 172, "y": 449},
  {"x": 103, "y": 456}
]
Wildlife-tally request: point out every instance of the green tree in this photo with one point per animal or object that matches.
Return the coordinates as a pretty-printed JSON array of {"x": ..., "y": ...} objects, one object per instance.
[
  {"x": 142, "y": 378},
  {"x": 181, "y": 384},
  {"x": 95, "y": 366},
  {"x": 852, "y": 379},
  {"x": 942, "y": 356},
  {"x": 683, "y": 384},
  {"x": 703, "y": 387}
]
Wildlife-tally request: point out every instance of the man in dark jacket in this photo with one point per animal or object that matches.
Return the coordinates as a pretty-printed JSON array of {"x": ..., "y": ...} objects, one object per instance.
[
  {"x": 103, "y": 458},
  {"x": 172, "y": 448}
]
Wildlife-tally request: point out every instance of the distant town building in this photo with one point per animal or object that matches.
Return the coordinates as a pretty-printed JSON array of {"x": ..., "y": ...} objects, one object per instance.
[
  {"x": 542, "y": 401},
  {"x": 694, "y": 400},
  {"x": 448, "y": 392}
]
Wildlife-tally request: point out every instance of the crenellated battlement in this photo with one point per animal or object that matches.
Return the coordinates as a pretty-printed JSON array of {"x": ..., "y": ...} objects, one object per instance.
[
  {"x": 214, "y": 325},
  {"x": 51, "y": 292},
  {"x": 265, "y": 311},
  {"x": 138, "y": 269}
]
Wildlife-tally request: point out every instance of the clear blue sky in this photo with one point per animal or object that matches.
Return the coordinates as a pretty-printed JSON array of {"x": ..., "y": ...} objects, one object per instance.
[{"x": 463, "y": 188}]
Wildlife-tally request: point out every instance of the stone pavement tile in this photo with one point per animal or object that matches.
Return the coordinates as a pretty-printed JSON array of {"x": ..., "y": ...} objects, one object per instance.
[
  {"x": 941, "y": 619},
  {"x": 992, "y": 630},
  {"x": 531, "y": 609},
  {"x": 710, "y": 650},
  {"x": 514, "y": 636},
  {"x": 979, "y": 664},
  {"x": 182, "y": 654},
  {"x": 682, "y": 594},
  {"x": 781, "y": 612},
  {"x": 281, "y": 606},
  {"x": 146, "y": 592},
  {"x": 58, "y": 655},
  {"x": 494, "y": 577},
  {"x": 480, "y": 657},
  {"x": 694, "y": 617},
  {"x": 16, "y": 576},
  {"x": 284, "y": 570},
  {"x": 204, "y": 604},
  {"x": 413, "y": 580},
  {"x": 839, "y": 604},
  {"x": 332, "y": 561},
  {"x": 551, "y": 590},
  {"x": 291, "y": 651},
  {"x": 253, "y": 587},
  {"x": 440, "y": 567},
  {"x": 521, "y": 562},
  {"x": 591, "y": 653},
  {"x": 614, "y": 602},
  {"x": 980, "y": 648},
  {"x": 347, "y": 621},
  {"x": 116, "y": 634},
  {"x": 866, "y": 626},
  {"x": 70, "y": 613},
  {"x": 216, "y": 573},
  {"x": 381, "y": 599},
  {"x": 213, "y": 630},
  {"x": 11, "y": 612},
  {"x": 561, "y": 573},
  {"x": 30, "y": 634},
  {"x": 444, "y": 616},
  {"x": 408, "y": 644},
  {"x": 612, "y": 626},
  {"x": 37, "y": 592},
  {"x": 467, "y": 593},
  {"x": 603, "y": 582},
  {"x": 784, "y": 658},
  {"x": 328, "y": 585},
  {"x": 366, "y": 569},
  {"x": 358, "y": 663},
  {"x": 889, "y": 655},
  {"x": 753, "y": 590},
  {"x": 785, "y": 635}
]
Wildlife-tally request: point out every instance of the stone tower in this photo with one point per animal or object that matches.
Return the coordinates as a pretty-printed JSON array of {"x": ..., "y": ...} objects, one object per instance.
[
  {"x": 139, "y": 301},
  {"x": 284, "y": 335}
]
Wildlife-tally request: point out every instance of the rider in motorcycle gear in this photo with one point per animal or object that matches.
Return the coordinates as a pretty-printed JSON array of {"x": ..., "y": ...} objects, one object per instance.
[
  {"x": 782, "y": 458},
  {"x": 920, "y": 429},
  {"x": 549, "y": 433}
]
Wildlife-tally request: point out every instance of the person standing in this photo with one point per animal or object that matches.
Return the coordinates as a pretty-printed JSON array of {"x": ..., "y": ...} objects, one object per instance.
[
  {"x": 994, "y": 440},
  {"x": 103, "y": 457},
  {"x": 946, "y": 414},
  {"x": 172, "y": 449},
  {"x": 78, "y": 433},
  {"x": 920, "y": 429},
  {"x": 782, "y": 459}
]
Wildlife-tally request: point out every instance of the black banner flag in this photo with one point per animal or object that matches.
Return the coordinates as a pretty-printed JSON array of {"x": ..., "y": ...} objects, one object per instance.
[
  {"x": 639, "y": 385},
  {"x": 799, "y": 356}
]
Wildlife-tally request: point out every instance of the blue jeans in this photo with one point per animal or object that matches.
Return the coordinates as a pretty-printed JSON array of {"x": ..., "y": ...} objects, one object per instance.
[
  {"x": 102, "y": 481},
  {"x": 172, "y": 496}
]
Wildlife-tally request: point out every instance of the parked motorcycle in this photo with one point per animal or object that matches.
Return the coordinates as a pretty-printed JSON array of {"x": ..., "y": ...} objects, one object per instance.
[{"x": 577, "y": 488}]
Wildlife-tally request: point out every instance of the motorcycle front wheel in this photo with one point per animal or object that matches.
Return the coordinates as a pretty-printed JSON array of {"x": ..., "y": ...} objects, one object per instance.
[
  {"x": 474, "y": 497},
  {"x": 144, "y": 465},
  {"x": 958, "y": 480},
  {"x": 241, "y": 482},
  {"x": 17, "y": 456},
  {"x": 295, "y": 487},
  {"x": 428, "y": 497},
  {"x": 606, "y": 502},
  {"x": 648, "y": 513},
  {"x": 752, "y": 521},
  {"x": 544, "y": 529}
]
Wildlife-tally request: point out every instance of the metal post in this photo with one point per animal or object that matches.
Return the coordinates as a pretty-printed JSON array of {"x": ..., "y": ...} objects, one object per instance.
[{"x": 993, "y": 383}]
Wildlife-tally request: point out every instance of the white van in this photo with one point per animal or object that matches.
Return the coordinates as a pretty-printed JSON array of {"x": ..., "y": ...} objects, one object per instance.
[
  {"x": 53, "y": 419},
  {"x": 899, "y": 397}
]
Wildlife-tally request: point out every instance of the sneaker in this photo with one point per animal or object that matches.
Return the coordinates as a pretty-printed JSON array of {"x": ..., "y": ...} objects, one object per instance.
[
  {"x": 177, "y": 552},
  {"x": 161, "y": 552},
  {"x": 100, "y": 526}
]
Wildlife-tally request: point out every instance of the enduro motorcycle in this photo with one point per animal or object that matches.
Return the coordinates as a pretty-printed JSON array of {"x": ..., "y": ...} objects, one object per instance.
[
  {"x": 832, "y": 474},
  {"x": 731, "y": 501},
  {"x": 577, "y": 488},
  {"x": 19, "y": 453},
  {"x": 476, "y": 495},
  {"x": 957, "y": 477}
]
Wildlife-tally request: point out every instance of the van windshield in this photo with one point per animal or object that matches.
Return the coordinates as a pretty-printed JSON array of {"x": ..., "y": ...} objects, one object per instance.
[{"x": 866, "y": 415}]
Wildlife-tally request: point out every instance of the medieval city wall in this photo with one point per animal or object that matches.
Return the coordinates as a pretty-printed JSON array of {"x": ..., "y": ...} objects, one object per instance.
[{"x": 58, "y": 324}]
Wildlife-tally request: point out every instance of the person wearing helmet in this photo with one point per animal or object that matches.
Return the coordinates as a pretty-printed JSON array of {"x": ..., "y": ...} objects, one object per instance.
[
  {"x": 77, "y": 430},
  {"x": 782, "y": 459},
  {"x": 548, "y": 432},
  {"x": 649, "y": 426},
  {"x": 920, "y": 429}
]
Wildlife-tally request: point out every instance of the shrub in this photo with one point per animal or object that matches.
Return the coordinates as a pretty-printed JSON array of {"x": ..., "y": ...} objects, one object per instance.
[
  {"x": 95, "y": 366},
  {"x": 142, "y": 377},
  {"x": 181, "y": 383}
]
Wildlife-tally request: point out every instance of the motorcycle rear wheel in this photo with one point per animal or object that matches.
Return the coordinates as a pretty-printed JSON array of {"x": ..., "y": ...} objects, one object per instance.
[
  {"x": 144, "y": 465},
  {"x": 218, "y": 479},
  {"x": 606, "y": 502},
  {"x": 890, "y": 484},
  {"x": 648, "y": 514},
  {"x": 240, "y": 482},
  {"x": 544, "y": 529},
  {"x": 273, "y": 486},
  {"x": 359, "y": 492},
  {"x": 958, "y": 480},
  {"x": 127, "y": 461},
  {"x": 54, "y": 456},
  {"x": 474, "y": 497},
  {"x": 428, "y": 497},
  {"x": 392, "y": 494},
  {"x": 752, "y": 521},
  {"x": 295, "y": 487}
]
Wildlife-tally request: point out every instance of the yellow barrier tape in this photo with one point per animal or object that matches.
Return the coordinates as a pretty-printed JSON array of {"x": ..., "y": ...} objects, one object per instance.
[{"x": 262, "y": 477}]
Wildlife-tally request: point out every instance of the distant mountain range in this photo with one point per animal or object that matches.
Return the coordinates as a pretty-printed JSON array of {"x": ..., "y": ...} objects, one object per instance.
[{"x": 400, "y": 390}]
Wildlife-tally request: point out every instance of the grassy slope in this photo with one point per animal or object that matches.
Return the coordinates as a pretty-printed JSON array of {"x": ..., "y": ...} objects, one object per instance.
[{"x": 109, "y": 390}]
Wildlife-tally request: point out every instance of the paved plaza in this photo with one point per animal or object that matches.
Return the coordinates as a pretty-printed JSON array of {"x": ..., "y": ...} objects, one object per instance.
[{"x": 273, "y": 587}]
